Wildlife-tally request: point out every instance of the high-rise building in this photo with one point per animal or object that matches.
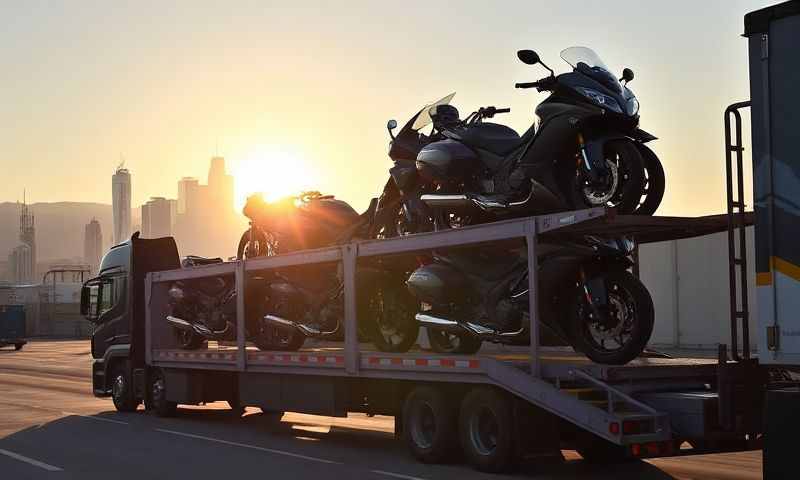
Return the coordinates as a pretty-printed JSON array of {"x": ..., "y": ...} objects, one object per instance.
[
  {"x": 220, "y": 185},
  {"x": 93, "y": 245},
  {"x": 121, "y": 204},
  {"x": 157, "y": 217},
  {"x": 22, "y": 259},
  {"x": 188, "y": 188}
]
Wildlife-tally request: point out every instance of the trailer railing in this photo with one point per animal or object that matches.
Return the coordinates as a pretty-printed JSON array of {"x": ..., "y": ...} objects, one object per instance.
[{"x": 527, "y": 229}]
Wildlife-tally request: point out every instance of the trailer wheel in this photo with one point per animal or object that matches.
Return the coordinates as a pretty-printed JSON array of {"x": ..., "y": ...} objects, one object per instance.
[
  {"x": 121, "y": 389},
  {"x": 429, "y": 425},
  {"x": 18, "y": 346},
  {"x": 486, "y": 427},
  {"x": 158, "y": 396}
]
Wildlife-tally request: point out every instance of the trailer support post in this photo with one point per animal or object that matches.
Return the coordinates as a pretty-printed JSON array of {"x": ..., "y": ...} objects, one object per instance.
[
  {"x": 351, "y": 353},
  {"x": 533, "y": 304},
  {"x": 241, "y": 346}
]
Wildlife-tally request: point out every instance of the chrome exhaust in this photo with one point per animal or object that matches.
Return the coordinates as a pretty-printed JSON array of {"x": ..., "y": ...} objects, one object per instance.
[
  {"x": 303, "y": 329},
  {"x": 179, "y": 323},
  {"x": 479, "y": 331},
  {"x": 198, "y": 328},
  {"x": 446, "y": 200}
]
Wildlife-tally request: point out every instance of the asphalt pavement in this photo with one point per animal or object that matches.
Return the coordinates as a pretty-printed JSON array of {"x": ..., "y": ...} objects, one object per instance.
[{"x": 52, "y": 427}]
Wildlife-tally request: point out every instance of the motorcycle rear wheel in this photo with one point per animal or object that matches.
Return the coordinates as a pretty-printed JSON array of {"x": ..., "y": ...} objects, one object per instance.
[
  {"x": 389, "y": 317},
  {"x": 255, "y": 243},
  {"x": 630, "y": 307}
]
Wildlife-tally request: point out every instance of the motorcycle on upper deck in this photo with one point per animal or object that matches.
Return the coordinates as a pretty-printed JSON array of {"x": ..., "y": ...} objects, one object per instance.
[{"x": 587, "y": 151}]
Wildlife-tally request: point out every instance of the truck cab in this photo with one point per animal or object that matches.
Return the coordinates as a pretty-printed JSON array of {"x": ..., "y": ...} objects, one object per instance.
[{"x": 114, "y": 301}]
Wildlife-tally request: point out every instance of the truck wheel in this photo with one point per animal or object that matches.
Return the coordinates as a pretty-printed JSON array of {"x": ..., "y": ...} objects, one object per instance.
[
  {"x": 429, "y": 425},
  {"x": 18, "y": 346},
  {"x": 122, "y": 390},
  {"x": 158, "y": 396},
  {"x": 486, "y": 427}
]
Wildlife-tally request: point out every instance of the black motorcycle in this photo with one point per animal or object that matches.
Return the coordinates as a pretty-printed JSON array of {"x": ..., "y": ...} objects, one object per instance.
[
  {"x": 309, "y": 302},
  {"x": 587, "y": 299},
  {"x": 205, "y": 309},
  {"x": 588, "y": 151}
]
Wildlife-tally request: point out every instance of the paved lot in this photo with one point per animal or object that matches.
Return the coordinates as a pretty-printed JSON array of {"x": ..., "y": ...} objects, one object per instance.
[{"x": 52, "y": 427}]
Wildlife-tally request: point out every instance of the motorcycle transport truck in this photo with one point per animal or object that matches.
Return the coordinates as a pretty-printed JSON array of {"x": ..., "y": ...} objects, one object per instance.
[{"x": 494, "y": 405}]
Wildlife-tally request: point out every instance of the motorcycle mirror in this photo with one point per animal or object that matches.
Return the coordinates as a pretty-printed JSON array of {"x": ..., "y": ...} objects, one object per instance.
[
  {"x": 528, "y": 57},
  {"x": 627, "y": 75},
  {"x": 391, "y": 125}
]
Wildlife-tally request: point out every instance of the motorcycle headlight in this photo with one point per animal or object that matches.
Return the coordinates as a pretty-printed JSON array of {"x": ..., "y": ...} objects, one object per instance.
[
  {"x": 632, "y": 106},
  {"x": 601, "y": 99}
]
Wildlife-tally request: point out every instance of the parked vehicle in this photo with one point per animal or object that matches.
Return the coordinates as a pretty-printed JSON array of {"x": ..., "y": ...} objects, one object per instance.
[
  {"x": 304, "y": 303},
  {"x": 12, "y": 326},
  {"x": 588, "y": 151},
  {"x": 587, "y": 298}
]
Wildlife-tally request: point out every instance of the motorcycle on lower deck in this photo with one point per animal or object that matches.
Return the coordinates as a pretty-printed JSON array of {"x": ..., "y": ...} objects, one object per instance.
[
  {"x": 305, "y": 302},
  {"x": 587, "y": 299},
  {"x": 205, "y": 309}
]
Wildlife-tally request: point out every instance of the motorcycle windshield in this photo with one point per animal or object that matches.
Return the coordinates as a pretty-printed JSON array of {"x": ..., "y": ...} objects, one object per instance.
[
  {"x": 575, "y": 55},
  {"x": 424, "y": 116}
]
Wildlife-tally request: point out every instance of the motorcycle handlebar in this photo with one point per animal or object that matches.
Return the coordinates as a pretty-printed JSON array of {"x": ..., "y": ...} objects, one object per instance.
[{"x": 541, "y": 84}]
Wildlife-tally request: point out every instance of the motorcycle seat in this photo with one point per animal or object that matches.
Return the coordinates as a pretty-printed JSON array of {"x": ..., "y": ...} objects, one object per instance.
[{"x": 494, "y": 137}]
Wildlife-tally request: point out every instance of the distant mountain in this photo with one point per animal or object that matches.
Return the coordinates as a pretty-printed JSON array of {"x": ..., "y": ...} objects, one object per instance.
[{"x": 59, "y": 227}]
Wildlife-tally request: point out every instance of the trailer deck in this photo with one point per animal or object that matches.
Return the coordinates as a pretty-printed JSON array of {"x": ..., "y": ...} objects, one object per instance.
[{"x": 604, "y": 400}]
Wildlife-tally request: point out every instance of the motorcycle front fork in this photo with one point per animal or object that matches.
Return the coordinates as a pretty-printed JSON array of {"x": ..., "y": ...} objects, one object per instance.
[{"x": 595, "y": 293}]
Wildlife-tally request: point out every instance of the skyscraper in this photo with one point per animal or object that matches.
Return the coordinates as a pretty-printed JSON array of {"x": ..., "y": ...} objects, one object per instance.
[
  {"x": 121, "y": 204},
  {"x": 220, "y": 185},
  {"x": 22, "y": 259},
  {"x": 93, "y": 245},
  {"x": 188, "y": 188},
  {"x": 157, "y": 217}
]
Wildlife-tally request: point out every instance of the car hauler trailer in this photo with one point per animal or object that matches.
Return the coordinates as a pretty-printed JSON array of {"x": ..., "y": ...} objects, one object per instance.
[{"x": 502, "y": 405}]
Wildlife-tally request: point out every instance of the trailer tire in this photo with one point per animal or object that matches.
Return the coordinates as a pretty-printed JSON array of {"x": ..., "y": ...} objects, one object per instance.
[
  {"x": 486, "y": 428},
  {"x": 121, "y": 388},
  {"x": 158, "y": 402},
  {"x": 429, "y": 425}
]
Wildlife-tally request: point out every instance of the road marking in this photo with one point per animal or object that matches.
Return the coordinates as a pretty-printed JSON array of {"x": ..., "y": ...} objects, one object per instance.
[
  {"x": 30, "y": 461},
  {"x": 396, "y": 475},
  {"x": 244, "y": 445},
  {"x": 90, "y": 417}
]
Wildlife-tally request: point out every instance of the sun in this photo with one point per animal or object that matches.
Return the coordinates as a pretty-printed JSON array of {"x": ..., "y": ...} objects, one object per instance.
[{"x": 273, "y": 172}]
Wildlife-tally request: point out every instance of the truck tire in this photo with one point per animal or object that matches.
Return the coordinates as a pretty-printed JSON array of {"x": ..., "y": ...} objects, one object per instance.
[
  {"x": 122, "y": 389},
  {"x": 158, "y": 402},
  {"x": 429, "y": 425},
  {"x": 486, "y": 428}
]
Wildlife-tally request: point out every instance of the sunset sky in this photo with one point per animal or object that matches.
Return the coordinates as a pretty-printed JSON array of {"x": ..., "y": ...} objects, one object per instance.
[{"x": 297, "y": 94}]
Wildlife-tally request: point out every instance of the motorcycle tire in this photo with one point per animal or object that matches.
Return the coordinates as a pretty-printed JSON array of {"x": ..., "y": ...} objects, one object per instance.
[
  {"x": 289, "y": 341},
  {"x": 260, "y": 244},
  {"x": 443, "y": 342},
  {"x": 655, "y": 182},
  {"x": 626, "y": 295},
  {"x": 188, "y": 340},
  {"x": 626, "y": 196},
  {"x": 388, "y": 317}
]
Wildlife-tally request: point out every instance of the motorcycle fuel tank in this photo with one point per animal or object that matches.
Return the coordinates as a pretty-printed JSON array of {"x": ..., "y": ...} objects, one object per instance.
[
  {"x": 446, "y": 161},
  {"x": 437, "y": 284}
]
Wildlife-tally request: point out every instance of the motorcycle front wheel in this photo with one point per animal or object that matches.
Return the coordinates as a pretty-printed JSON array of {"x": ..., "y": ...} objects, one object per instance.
[
  {"x": 625, "y": 323},
  {"x": 654, "y": 182},
  {"x": 622, "y": 186}
]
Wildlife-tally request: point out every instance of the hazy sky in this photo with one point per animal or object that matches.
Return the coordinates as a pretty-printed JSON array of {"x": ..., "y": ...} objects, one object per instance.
[{"x": 297, "y": 94}]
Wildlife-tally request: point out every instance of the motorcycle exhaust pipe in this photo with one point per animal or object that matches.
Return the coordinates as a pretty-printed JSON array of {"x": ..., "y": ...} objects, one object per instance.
[
  {"x": 479, "y": 331},
  {"x": 179, "y": 323},
  {"x": 446, "y": 201},
  {"x": 303, "y": 329}
]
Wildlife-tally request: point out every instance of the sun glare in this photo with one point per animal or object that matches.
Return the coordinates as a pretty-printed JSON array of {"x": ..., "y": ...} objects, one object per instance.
[{"x": 273, "y": 172}]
